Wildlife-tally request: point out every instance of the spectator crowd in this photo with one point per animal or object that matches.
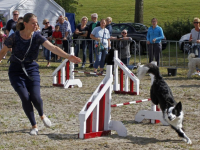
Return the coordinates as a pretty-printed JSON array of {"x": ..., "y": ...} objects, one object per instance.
[{"x": 96, "y": 37}]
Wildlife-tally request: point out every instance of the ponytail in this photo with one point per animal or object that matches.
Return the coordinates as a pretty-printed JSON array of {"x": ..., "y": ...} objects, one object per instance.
[{"x": 20, "y": 26}]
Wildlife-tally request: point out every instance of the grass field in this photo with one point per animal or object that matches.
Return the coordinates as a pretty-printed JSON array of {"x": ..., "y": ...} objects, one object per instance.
[{"x": 124, "y": 10}]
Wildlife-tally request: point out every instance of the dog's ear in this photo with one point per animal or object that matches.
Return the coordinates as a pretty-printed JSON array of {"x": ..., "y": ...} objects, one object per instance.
[{"x": 178, "y": 107}]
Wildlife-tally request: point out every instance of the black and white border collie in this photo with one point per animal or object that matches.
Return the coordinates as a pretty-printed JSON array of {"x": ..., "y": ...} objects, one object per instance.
[{"x": 161, "y": 94}]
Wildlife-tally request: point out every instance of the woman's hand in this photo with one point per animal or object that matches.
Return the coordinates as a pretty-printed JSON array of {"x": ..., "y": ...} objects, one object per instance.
[
  {"x": 76, "y": 31},
  {"x": 74, "y": 59},
  {"x": 198, "y": 41},
  {"x": 154, "y": 40}
]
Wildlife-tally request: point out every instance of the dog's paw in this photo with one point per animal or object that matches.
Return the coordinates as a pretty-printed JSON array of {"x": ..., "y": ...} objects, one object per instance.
[{"x": 188, "y": 141}]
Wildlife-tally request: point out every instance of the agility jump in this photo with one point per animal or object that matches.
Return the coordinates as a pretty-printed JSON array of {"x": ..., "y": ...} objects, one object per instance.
[
  {"x": 95, "y": 119},
  {"x": 63, "y": 76},
  {"x": 134, "y": 81}
]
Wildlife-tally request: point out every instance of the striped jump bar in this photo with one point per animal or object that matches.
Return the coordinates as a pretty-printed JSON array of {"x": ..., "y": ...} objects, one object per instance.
[
  {"x": 128, "y": 103},
  {"x": 92, "y": 73}
]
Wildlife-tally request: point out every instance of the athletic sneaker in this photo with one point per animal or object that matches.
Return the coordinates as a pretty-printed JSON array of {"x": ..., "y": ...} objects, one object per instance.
[
  {"x": 47, "y": 122},
  {"x": 83, "y": 66},
  {"x": 34, "y": 131}
]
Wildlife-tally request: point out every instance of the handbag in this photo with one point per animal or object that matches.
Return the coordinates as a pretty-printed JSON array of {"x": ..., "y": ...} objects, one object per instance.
[{"x": 100, "y": 46}]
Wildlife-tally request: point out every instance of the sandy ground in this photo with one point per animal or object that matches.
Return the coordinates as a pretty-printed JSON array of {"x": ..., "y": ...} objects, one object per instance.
[{"x": 62, "y": 106}]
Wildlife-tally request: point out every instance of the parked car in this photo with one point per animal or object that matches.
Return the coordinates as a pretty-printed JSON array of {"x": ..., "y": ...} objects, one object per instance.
[
  {"x": 184, "y": 43},
  {"x": 138, "y": 32}
]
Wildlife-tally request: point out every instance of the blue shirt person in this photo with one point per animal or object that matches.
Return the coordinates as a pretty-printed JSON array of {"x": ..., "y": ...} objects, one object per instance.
[{"x": 154, "y": 37}]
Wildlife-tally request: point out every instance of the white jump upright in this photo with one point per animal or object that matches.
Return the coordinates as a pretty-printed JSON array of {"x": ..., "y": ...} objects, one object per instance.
[
  {"x": 95, "y": 119},
  {"x": 63, "y": 75},
  {"x": 134, "y": 81},
  {"x": 154, "y": 114}
]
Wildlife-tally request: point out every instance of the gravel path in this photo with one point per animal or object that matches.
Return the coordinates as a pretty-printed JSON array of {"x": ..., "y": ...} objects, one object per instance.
[{"x": 62, "y": 106}]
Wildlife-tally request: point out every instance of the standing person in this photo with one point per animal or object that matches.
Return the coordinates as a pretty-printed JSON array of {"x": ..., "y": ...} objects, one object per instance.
[
  {"x": 95, "y": 23},
  {"x": 65, "y": 29},
  {"x": 195, "y": 34},
  {"x": 81, "y": 31},
  {"x": 24, "y": 71},
  {"x": 123, "y": 46},
  {"x": 108, "y": 25},
  {"x": 1, "y": 25},
  {"x": 2, "y": 39},
  {"x": 57, "y": 35},
  {"x": 20, "y": 19},
  {"x": 11, "y": 24},
  {"x": 101, "y": 36},
  {"x": 195, "y": 37},
  {"x": 47, "y": 33},
  {"x": 154, "y": 37}
]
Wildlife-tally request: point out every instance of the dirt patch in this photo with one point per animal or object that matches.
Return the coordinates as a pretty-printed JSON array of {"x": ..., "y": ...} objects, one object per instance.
[{"x": 62, "y": 106}]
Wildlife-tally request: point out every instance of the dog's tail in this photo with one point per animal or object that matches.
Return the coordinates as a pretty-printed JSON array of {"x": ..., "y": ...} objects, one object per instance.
[
  {"x": 190, "y": 56},
  {"x": 148, "y": 68}
]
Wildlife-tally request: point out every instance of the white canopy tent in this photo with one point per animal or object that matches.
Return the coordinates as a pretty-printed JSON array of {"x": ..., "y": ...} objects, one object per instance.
[{"x": 43, "y": 9}]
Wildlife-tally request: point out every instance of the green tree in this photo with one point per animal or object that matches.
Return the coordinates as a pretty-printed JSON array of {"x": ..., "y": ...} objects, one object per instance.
[{"x": 68, "y": 5}]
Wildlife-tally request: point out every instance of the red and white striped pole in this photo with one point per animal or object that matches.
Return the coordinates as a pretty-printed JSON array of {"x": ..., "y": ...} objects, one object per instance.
[
  {"x": 89, "y": 120},
  {"x": 92, "y": 73},
  {"x": 59, "y": 77},
  {"x": 67, "y": 70},
  {"x": 121, "y": 80},
  {"x": 132, "y": 102},
  {"x": 102, "y": 111}
]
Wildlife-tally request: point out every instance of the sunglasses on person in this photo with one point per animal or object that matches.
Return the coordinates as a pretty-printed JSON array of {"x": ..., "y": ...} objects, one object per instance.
[
  {"x": 124, "y": 33},
  {"x": 196, "y": 22},
  {"x": 15, "y": 14},
  {"x": 46, "y": 22}
]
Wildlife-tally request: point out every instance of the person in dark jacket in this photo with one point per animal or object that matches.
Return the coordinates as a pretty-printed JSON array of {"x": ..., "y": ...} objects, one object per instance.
[
  {"x": 11, "y": 24},
  {"x": 47, "y": 33},
  {"x": 108, "y": 25}
]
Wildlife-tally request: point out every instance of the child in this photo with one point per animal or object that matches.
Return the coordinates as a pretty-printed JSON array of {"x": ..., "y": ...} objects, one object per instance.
[
  {"x": 2, "y": 39},
  {"x": 57, "y": 35}
]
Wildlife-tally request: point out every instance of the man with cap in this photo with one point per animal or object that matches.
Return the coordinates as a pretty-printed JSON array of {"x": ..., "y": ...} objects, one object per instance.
[{"x": 94, "y": 24}]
